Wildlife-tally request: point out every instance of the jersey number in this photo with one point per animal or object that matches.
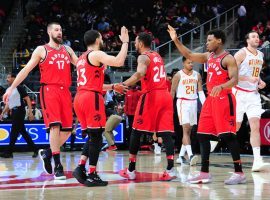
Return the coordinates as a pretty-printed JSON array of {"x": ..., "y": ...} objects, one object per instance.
[
  {"x": 190, "y": 89},
  {"x": 256, "y": 71},
  {"x": 210, "y": 76},
  {"x": 60, "y": 64},
  {"x": 81, "y": 74},
  {"x": 159, "y": 73}
]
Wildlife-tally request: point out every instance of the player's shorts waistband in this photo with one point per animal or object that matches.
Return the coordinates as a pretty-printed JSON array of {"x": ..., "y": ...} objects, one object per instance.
[
  {"x": 187, "y": 99},
  {"x": 244, "y": 90},
  {"x": 54, "y": 85}
]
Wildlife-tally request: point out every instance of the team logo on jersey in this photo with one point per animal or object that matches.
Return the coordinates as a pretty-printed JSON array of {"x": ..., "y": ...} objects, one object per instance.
[
  {"x": 97, "y": 74},
  {"x": 231, "y": 122},
  {"x": 59, "y": 56},
  {"x": 139, "y": 121},
  {"x": 97, "y": 117},
  {"x": 215, "y": 67},
  {"x": 266, "y": 132}
]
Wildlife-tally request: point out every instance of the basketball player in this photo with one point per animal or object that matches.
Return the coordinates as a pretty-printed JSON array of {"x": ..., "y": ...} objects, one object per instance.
[
  {"x": 217, "y": 117},
  {"x": 249, "y": 61},
  {"x": 154, "y": 111},
  {"x": 89, "y": 103},
  {"x": 186, "y": 84},
  {"x": 54, "y": 61}
]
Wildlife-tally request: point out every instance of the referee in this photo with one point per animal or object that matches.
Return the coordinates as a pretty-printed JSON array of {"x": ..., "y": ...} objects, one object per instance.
[{"x": 17, "y": 107}]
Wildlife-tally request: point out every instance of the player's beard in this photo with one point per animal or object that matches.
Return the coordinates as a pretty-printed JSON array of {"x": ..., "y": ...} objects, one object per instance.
[{"x": 57, "y": 40}]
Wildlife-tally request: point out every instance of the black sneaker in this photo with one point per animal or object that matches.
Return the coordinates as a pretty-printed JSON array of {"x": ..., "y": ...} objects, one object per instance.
[
  {"x": 47, "y": 165},
  {"x": 59, "y": 173},
  {"x": 80, "y": 174},
  {"x": 6, "y": 155},
  {"x": 93, "y": 180}
]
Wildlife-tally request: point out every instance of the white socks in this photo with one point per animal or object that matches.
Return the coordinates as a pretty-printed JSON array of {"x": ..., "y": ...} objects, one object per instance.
[
  {"x": 182, "y": 151},
  {"x": 256, "y": 152}
]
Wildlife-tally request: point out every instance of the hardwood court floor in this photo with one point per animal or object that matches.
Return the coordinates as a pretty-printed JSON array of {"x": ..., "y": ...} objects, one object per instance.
[{"x": 23, "y": 178}]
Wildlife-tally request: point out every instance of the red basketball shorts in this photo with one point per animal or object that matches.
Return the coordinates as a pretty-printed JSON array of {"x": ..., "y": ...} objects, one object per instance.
[
  {"x": 56, "y": 104},
  {"x": 90, "y": 109},
  {"x": 154, "y": 112},
  {"x": 218, "y": 115}
]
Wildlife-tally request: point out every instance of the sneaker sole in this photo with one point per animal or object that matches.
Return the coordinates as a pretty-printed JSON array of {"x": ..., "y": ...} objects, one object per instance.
[
  {"x": 200, "y": 181},
  {"x": 241, "y": 182},
  {"x": 60, "y": 178},
  {"x": 264, "y": 167},
  {"x": 174, "y": 177},
  {"x": 43, "y": 163},
  {"x": 96, "y": 184},
  {"x": 193, "y": 161}
]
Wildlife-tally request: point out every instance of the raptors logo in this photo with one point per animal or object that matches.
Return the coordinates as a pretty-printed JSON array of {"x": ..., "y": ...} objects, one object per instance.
[
  {"x": 97, "y": 74},
  {"x": 232, "y": 122},
  {"x": 97, "y": 117},
  {"x": 266, "y": 131},
  {"x": 139, "y": 121}
]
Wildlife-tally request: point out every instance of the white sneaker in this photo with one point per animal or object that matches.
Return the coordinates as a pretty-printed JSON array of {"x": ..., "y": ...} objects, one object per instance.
[
  {"x": 182, "y": 160},
  {"x": 213, "y": 145},
  {"x": 168, "y": 175},
  {"x": 157, "y": 149},
  {"x": 259, "y": 165},
  {"x": 193, "y": 160}
]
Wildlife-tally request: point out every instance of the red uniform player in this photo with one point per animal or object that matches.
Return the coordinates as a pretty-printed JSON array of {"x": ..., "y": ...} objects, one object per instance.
[
  {"x": 218, "y": 112},
  {"x": 154, "y": 111},
  {"x": 54, "y": 61}
]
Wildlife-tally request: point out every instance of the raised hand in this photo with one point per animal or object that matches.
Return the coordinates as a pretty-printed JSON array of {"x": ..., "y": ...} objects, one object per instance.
[
  {"x": 172, "y": 32},
  {"x": 124, "y": 35}
]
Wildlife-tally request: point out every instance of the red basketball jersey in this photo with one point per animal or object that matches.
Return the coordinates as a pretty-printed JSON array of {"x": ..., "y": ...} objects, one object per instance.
[
  {"x": 55, "y": 68},
  {"x": 89, "y": 77},
  {"x": 216, "y": 74},
  {"x": 155, "y": 77}
]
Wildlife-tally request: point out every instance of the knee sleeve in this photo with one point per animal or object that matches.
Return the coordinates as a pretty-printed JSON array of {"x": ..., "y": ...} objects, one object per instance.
[
  {"x": 168, "y": 143},
  {"x": 95, "y": 139},
  {"x": 134, "y": 144},
  {"x": 227, "y": 137}
]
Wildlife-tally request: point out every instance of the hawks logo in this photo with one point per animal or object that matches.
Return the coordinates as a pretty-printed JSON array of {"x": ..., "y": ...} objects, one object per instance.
[
  {"x": 97, "y": 117},
  {"x": 266, "y": 132}
]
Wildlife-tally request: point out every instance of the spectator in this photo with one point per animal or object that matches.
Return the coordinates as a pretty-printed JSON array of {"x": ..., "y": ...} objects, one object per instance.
[
  {"x": 131, "y": 100},
  {"x": 36, "y": 112},
  {"x": 259, "y": 28},
  {"x": 102, "y": 25},
  {"x": 242, "y": 20}
]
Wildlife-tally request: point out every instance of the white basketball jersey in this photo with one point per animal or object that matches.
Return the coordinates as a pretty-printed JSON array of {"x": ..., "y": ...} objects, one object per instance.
[
  {"x": 188, "y": 85},
  {"x": 251, "y": 67}
]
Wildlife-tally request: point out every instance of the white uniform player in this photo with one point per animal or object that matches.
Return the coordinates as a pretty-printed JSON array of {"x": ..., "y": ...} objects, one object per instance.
[
  {"x": 187, "y": 83},
  {"x": 250, "y": 61}
]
